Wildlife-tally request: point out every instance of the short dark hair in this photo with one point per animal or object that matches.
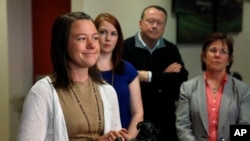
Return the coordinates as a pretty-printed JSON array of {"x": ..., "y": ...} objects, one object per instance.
[
  {"x": 226, "y": 39},
  {"x": 156, "y": 7}
]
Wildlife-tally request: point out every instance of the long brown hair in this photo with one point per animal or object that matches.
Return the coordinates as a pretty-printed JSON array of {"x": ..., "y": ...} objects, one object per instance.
[{"x": 59, "y": 54}]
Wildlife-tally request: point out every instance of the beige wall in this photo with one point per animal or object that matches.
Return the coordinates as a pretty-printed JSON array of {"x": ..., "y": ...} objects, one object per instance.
[
  {"x": 4, "y": 75},
  {"x": 16, "y": 48},
  {"x": 15, "y": 63},
  {"x": 128, "y": 13}
]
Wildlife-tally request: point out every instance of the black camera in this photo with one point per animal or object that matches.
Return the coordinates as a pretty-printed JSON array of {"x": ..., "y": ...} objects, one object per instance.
[{"x": 147, "y": 131}]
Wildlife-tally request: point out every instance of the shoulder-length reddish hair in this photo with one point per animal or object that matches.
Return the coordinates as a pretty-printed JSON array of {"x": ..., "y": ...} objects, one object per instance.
[{"x": 118, "y": 64}]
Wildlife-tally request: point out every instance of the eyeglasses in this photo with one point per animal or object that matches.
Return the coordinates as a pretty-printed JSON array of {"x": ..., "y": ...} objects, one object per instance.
[
  {"x": 153, "y": 21},
  {"x": 222, "y": 51}
]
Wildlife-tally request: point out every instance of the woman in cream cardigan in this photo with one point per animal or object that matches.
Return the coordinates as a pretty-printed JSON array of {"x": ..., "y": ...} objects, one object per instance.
[{"x": 73, "y": 103}]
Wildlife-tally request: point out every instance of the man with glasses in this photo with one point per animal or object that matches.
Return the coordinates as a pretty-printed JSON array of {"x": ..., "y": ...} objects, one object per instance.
[{"x": 161, "y": 70}]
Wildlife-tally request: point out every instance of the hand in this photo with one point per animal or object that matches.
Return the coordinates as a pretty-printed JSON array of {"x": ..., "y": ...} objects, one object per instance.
[
  {"x": 105, "y": 137},
  {"x": 173, "y": 68},
  {"x": 114, "y": 135},
  {"x": 124, "y": 134},
  {"x": 143, "y": 75}
]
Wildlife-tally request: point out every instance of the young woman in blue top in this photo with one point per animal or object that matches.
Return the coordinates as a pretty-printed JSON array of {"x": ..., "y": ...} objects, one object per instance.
[{"x": 119, "y": 73}]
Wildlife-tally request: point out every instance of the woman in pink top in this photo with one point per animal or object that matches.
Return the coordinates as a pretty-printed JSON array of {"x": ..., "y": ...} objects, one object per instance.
[{"x": 211, "y": 102}]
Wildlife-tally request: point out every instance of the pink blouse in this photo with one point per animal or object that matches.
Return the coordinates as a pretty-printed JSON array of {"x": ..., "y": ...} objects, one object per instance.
[{"x": 213, "y": 106}]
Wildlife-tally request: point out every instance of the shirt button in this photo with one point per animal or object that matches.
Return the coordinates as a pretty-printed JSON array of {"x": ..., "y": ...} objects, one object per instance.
[{"x": 159, "y": 91}]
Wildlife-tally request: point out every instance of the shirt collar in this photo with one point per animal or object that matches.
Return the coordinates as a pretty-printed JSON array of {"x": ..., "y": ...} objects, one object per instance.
[
  {"x": 223, "y": 81},
  {"x": 141, "y": 44}
]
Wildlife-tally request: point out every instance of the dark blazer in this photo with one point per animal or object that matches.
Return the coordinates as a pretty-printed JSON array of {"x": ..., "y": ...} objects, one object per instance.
[{"x": 192, "y": 114}]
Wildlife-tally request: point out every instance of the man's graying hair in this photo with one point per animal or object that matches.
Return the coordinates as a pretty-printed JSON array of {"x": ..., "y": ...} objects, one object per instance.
[{"x": 156, "y": 7}]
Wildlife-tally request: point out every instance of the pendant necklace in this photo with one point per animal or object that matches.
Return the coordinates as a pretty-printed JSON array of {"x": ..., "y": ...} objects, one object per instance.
[{"x": 214, "y": 90}]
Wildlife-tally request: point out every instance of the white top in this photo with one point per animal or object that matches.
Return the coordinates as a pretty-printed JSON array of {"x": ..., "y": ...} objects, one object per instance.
[{"x": 42, "y": 117}]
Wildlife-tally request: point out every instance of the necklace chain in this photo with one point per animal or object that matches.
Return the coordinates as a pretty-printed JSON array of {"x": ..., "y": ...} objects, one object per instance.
[
  {"x": 214, "y": 90},
  {"x": 113, "y": 78},
  {"x": 83, "y": 111}
]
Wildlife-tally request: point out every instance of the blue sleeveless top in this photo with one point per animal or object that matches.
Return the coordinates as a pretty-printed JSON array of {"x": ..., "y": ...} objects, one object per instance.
[{"x": 121, "y": 84}]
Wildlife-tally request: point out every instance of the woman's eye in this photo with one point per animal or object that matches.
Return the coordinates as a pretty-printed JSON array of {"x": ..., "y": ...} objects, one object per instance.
[
  {"x": 81, "y": 38},
  {"x": 102, "y": 32},
  {"x": 96, "y": 38},
  {"x": 114, "y": 34}
]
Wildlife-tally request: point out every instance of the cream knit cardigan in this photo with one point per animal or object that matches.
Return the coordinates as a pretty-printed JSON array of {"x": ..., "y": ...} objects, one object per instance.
[{"x": 42, "y": 117}]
